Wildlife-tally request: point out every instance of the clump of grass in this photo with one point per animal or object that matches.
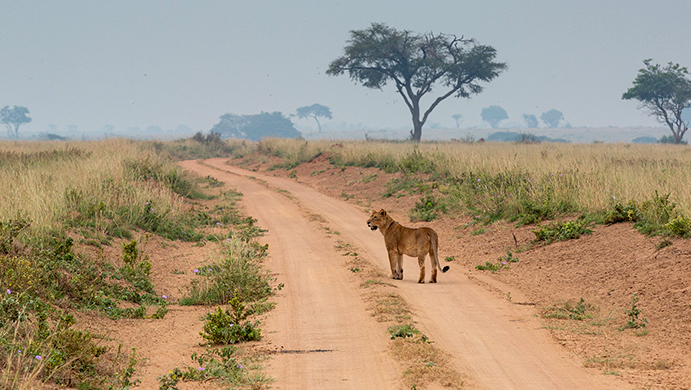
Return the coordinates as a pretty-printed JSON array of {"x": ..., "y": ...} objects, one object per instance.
[
  {"x": 226, "y": 364},
  {"x": 568, "y": 310}
]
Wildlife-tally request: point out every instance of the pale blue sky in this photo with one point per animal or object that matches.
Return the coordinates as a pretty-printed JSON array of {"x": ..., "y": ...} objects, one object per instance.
[{"x": 167, "y": 63}]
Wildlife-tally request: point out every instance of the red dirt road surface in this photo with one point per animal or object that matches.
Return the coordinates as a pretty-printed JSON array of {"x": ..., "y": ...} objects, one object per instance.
[{"x": 323, "y": 335}]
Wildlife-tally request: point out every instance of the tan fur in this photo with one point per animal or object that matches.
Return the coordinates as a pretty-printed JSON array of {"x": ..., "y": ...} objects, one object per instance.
[{"x": 401, "y": 240}]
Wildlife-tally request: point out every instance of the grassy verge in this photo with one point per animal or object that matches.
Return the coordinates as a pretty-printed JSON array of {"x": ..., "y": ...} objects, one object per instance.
[{"x": 56, "y": 197}]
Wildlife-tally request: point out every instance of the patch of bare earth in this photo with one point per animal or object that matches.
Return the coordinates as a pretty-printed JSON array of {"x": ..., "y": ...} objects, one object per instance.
[{"x": 605, "y": 268}]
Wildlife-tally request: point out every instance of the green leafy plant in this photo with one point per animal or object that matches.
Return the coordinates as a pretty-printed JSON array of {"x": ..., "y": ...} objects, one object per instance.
[
  {"x": 503, "y": 262},
  {"x": 426, "y": 209},
  {"x": 561, "y": 231},
  {"x": 137, "y": 267},
  {"x": 633, "y": 313},
  {"x": 223, "y": 363},
  {"x": 231, "y": 326},
  {"x": 402, "y": 331}
]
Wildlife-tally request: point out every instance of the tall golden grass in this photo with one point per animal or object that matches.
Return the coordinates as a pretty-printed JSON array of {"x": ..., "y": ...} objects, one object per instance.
[
  {"x": 593, "y": 176},
  {"x": 37, "y": 177}
]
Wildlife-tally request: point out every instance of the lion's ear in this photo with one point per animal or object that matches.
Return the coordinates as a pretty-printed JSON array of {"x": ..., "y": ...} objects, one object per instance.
[{"x": 382, "y": 212}]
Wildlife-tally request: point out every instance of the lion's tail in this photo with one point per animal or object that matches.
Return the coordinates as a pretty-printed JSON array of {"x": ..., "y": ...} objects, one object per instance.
[{"x": 435, "y": 247}]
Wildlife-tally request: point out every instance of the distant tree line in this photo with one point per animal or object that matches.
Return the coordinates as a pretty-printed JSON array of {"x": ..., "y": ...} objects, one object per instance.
[{"x": 495, "y": 114}]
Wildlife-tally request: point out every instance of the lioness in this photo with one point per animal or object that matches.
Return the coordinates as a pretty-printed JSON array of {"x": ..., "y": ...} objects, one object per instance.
[{"x": 401, "y": 240}]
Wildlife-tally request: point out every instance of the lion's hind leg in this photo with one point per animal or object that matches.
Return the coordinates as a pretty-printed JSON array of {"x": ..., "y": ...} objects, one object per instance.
[
  {"x": 435, "y": 262},
  {"x": 421, "y": 263}
]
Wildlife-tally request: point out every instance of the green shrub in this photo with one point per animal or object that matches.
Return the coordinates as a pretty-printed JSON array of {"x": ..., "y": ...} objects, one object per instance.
[
  {"x": 231, "y": 326},
  {"x": 561, "y": 231},
  {"x": 402, "y": 331},
  {"x": 623, "y": 213},
  {"x": 426, "y": 209},
  {"x": 679, "y": 226}
]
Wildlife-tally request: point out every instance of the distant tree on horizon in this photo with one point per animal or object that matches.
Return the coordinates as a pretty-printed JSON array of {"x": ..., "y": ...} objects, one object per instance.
[
  {"x": 665, "y": 93},
  {"x": 256, "y": 127},
  {"x": 315, "y": 111},
  {"x": 458, "y": 118},
  {"x": 493, "y": 115},
  {"x": 530, "y": 120},
  {"x": 552, "y": 118},
  {"x": 415, "y": 63},
  {"x": 13, "y": 118}
]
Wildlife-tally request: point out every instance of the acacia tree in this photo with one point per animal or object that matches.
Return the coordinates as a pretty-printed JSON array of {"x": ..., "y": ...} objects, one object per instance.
[
  {"x": 13, "y": 118},
  {"x": 256, "y": 127},
  {"x": 493, "y": 115},
  {"x": 458, "y": 118},
  {"x": 314, "y": 111},
  {"x": 530, "y": 120},
  {"x": 552, "y": 118},
  {"x": 415, "y": 63},
  {"x": 665, "y": 93}
]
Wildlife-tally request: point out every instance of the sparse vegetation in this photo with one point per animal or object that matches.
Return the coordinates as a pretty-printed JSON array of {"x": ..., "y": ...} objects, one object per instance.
[
  {"x": 227, "y": 364},
  {"x": 55, "y": 197},
  {"x": 634, "y": 322}
]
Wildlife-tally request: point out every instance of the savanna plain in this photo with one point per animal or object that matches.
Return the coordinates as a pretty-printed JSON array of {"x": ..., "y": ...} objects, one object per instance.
[{"x": 150, "y": 264}]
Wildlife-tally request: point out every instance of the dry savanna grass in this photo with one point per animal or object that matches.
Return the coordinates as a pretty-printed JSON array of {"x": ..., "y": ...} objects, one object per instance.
[
  {"x": 43, "y": 180},
  {"x": 509, "y": 178}
]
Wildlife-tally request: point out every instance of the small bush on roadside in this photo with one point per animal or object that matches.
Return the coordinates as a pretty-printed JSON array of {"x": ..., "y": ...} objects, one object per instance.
[
  {"x": 426, "y": 209},
  {"x": 561, "y": 231},
  {"x": 231, "y": 326}
]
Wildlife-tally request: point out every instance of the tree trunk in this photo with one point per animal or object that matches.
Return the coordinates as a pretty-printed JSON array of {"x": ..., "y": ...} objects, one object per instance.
[{"x": 416, "y": 133}]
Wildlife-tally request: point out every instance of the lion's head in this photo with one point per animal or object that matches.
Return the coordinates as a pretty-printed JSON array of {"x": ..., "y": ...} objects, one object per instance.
[{"x": 377, "y": 219}]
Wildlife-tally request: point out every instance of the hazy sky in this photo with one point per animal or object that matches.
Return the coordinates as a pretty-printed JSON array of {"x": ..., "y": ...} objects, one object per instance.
[{"x": 167, "y": 63}]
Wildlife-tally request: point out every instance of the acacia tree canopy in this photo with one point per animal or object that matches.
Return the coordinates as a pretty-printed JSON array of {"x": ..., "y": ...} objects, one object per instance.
[
  {"x": 665, "y": 93},
  {"x": 13, "y": 118},
  {"x": 256, "y": 127},
  {"x": 493, "y": 115},
  {"x": 415, "y": 64},
  {"x": 314, "y": 111},
  {"x": 530, "y": 120},
  {"x": 552, "y": 118}
]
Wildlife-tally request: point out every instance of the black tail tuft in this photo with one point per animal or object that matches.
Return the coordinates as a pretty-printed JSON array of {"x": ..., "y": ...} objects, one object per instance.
[{"x": 445, "y": 269}]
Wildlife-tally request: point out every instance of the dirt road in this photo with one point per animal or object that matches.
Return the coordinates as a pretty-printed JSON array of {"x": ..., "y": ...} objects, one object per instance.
[{"x": 333, "y": 343}]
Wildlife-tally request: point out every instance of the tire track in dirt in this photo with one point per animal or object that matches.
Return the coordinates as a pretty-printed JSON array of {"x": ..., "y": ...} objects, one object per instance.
[
  {"x": 497, "y": 343},
  {"x": 320, "y": 328}
]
